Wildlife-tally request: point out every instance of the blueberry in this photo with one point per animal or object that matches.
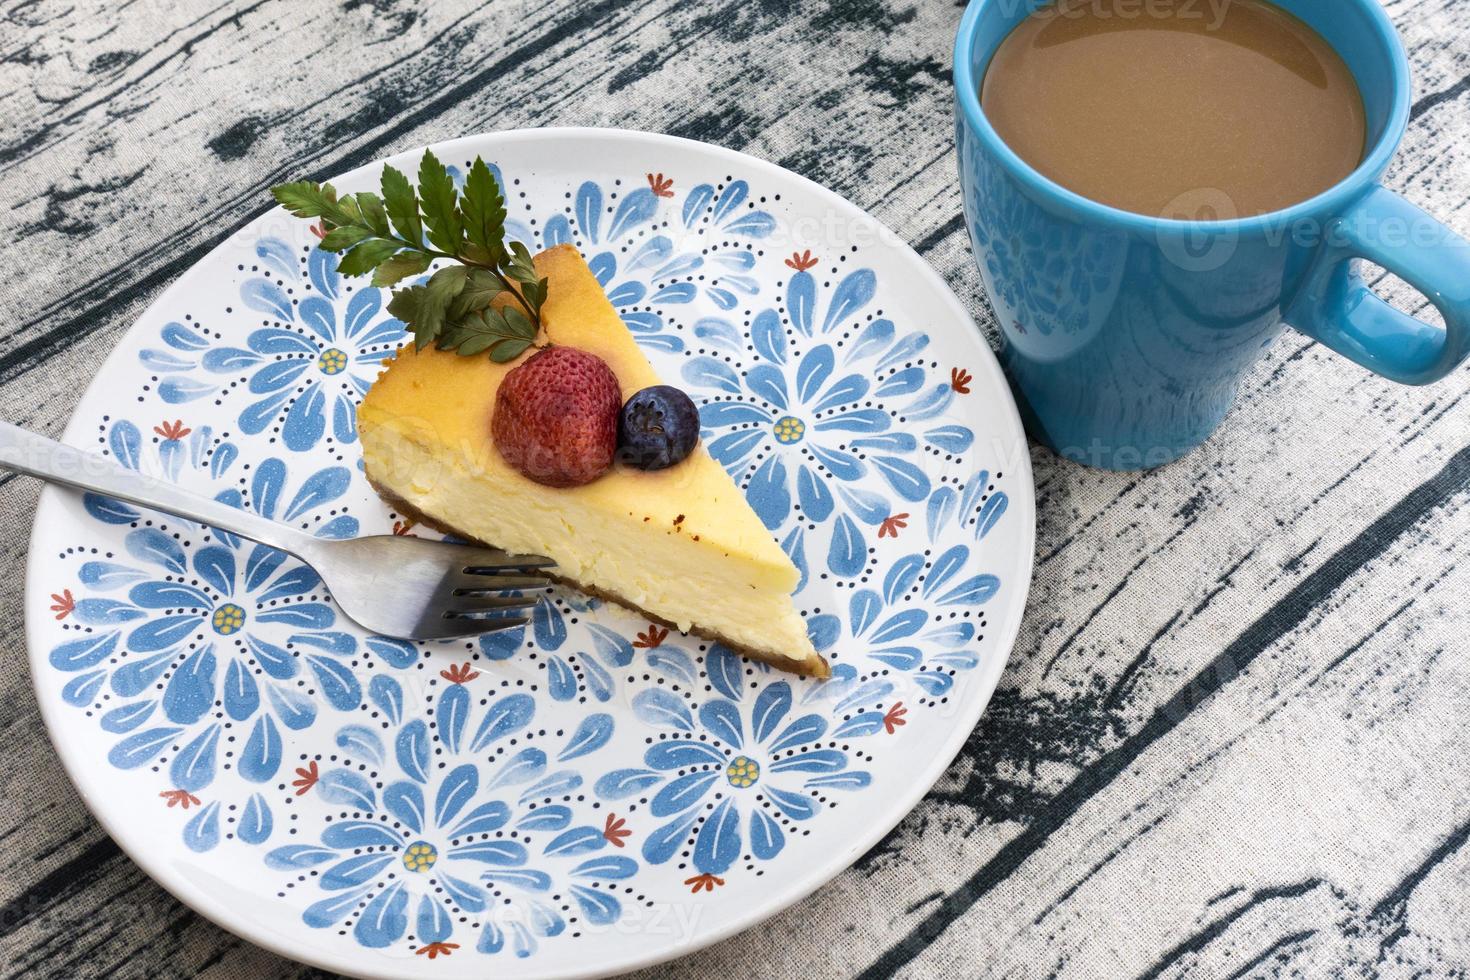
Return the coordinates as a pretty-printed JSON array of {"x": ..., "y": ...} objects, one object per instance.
[{"x": 659, "y": 426}]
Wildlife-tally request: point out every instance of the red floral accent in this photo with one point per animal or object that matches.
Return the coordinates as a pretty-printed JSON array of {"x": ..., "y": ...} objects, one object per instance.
[
  {"x": 652, "y": 638},
  {"x": 319, "y": 229},
  {"x": 959, "y": 380},
  {"x": 459, "y": 673},
  {"x": 891, "y": 525},
  {"x": 662, "y": 186},
  {"x": 402, "y": 528},
  {"x": 309, "y": 776},
  {"x": 179, "y": 797},
  {"x": 434, "y": 949},
  {"x": 62, "y": 604},
  {"x": 613, "y": 832},
  {"x": 173, "y": 430},
  {"x": 894, "y": 718},
  {"x": 802, "y": 261},
  {"x": 704, "y": 881}
]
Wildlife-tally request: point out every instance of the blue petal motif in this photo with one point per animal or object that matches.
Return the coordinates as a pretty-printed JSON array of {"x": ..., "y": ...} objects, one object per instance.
[
  {"x": 432, "y": 923},
  {"x": 812, "y": 372},
  {"x": 769, "y": 384},
  {"x": 768, "y": 494},
  {"x": 578, "y": 840},
  {"x": 137, "y": 750},
  {"x": 484, "y": 819},
  {"x": 717, "y": 844},
  {"x": 819, "y": 760},
  {"x": 202, "y": 832},
  {"x": 387, "y": 694},
  {"x": 848, "y": 553},
  {"x": 136, "y": 676},
  {"x": 725, "y": 670},
  {"x": 902, "y": 576},
  {"x": 105, "y": 612},
  {"x": 329, "y": 911},
  {"x": 853, "y": 293},
  {"x": 522, "y": 767},
  {"x": 354, "y": 871},
  {"x": 706, "y": 372},
  {"x": 319, "y": 489},
  {"x": 126, "y": 443},
  {"x": 769, "y": 336},
  {"x": 294, "y": 856},
  {"x": 107, "y": 510},
  {"x": 347, "y": 835},
  {"x": 766, "y": 836},
  {"x": 455, "y": 791},
  {"x": 383, "y": 921},
  {"x": 722, "y": 718},
  {"x": 347, "y": 789},
  {"x": 125, "y": 718},
  {"x": 621, "y": 783},
  {"x": 658, "y": 707},
  {"x": 412, "y": 750},
  {"x": 406, "y": 802},
  {"x": 802, "y": 731},
  {"x": 261, "y": 758},
  {"x": 336, "y": 683},
  {"x": 795, "y": 805},
  {"x": 193, "y": 767},
  {"x": 190, "y": 691},
  {"x": 683, "y": 753},
  {"x": 83, "y": 653},
  {"x": 635, "y": 209},
  {"x": 665, "y": 842},
  {"x": 683, "y": 792},
  {"x": 469, "y": 897},
  {"x": 611, "y": 646},
  {"x": 267, "y": 297},
  {"x": 152, "y": 545},
  {"x": 592, "y": 734},
  {"x": 508, "y": 714},
  {"x": 598, "y": 907},
  {"x": 771, "y": 705},
  {"x": 306, "y": 419},
  {"x": 505, "y": 853},
  {"x": 395, "y": 653}
]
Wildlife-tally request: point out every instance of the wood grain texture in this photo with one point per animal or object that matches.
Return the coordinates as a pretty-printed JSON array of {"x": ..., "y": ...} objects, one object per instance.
[{"x": 1232, "y": 738}]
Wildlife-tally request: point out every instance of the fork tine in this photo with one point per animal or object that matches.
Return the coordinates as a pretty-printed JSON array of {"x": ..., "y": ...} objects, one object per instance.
[
  {"x": 503, "y": 562},
  {"x": 487, "y": 584},
  {"x": 471, "y": 604}
]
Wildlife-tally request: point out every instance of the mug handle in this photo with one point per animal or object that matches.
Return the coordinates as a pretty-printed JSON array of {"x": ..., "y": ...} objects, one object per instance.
[{"x": 1336, "y": 307}]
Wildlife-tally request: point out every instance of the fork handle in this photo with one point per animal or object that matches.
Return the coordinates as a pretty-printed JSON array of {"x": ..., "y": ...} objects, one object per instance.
[{"x": 27, "y": 452}]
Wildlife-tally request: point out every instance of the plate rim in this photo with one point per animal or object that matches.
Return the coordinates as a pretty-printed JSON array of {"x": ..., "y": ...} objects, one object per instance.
[{"x": 819, "y": 873}]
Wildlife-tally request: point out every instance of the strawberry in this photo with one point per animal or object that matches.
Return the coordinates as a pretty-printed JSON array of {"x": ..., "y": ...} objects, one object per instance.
[{"x": 556, "y": 417}]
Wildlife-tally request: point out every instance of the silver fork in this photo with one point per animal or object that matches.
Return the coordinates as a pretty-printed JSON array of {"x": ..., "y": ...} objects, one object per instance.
[{"x": 398, "y": 586}]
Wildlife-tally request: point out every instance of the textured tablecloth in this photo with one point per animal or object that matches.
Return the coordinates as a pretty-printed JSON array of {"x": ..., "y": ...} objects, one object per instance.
[{"x": 1234, "y": 735}]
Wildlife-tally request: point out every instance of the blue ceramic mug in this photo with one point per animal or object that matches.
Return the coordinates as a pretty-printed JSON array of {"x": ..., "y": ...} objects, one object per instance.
[{"x": 1125, "y": 336}]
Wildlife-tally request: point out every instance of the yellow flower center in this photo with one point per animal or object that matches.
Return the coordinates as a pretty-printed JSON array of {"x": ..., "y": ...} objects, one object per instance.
[
  {"x": 789, "y": 429},
  {"x": 420, "y": 856},
  {"x": 332, "y": 361},
  {"x": 742, "y": 772},
  {"x": 228, "y": 619}
]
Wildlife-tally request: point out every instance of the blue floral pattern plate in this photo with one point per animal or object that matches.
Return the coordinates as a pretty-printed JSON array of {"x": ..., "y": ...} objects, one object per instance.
[{"x": 592, "y": 793}]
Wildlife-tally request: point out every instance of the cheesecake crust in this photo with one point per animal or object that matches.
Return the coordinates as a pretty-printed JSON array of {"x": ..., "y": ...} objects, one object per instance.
[{"x": 807, "y": 668}]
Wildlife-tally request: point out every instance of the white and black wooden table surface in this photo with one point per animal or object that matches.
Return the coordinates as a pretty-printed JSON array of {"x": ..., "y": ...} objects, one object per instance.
[{"x": 1234, "y": 736}]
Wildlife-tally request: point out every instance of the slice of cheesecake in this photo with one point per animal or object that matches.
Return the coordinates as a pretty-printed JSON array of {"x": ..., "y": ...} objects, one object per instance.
[{"x": 680, "y": 545}]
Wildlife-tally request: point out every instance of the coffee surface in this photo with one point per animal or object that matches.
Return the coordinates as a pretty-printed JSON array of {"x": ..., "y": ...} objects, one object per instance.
[{"x": 1181, "y": 108}]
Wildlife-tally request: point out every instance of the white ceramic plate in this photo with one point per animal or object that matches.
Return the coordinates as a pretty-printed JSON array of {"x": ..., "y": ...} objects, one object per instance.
[{"x": 589, "y": 795}]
